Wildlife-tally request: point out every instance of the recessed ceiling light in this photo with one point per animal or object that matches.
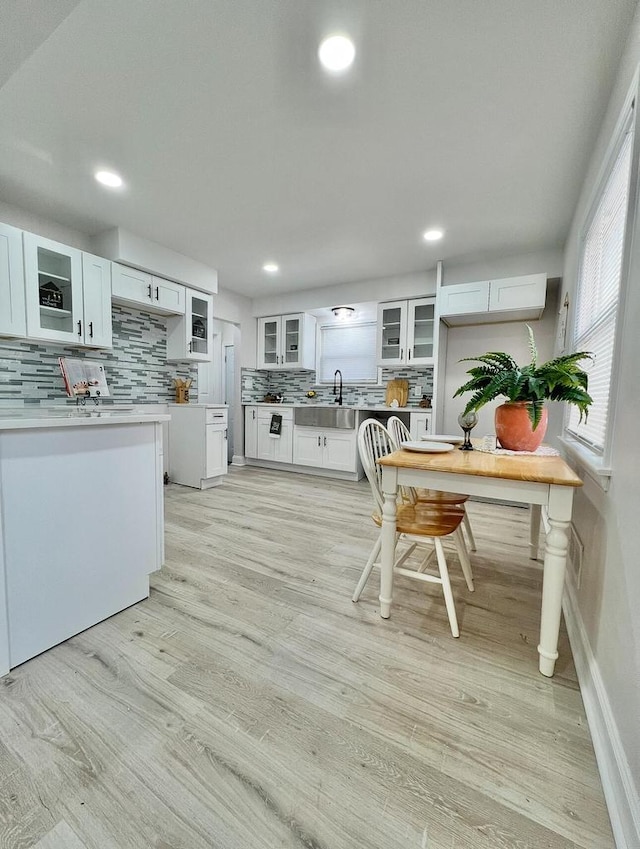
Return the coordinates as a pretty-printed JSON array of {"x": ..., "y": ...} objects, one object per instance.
[
  {"x": 109, "y": 178},
  {"x": 432, "y": 235},
  {"x": 271, "y": 267},
  {"x": 337, "y": 53}
]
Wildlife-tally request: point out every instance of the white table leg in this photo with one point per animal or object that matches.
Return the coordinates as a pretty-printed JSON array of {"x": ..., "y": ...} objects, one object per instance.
[
  {"x": 555, "y": 561},
  {"x": 388, "y": 538},
  {"x": 534, "y": 530}
]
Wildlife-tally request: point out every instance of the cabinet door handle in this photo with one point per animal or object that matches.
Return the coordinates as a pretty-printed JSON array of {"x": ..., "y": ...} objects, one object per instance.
[
  {"x": 149, "y": 292},
  {"x": 157, "y": 293},
  {"x": 409, "y": 352},
  {"x": 254, "y": 413},
  {"x": 318, "y": 442},
  {"x": 190, "y": 346},
  {"x": 90, "y": 330},
  {"x": 79, "y": 328},
  {"x": 325, "y": 442},
  {"x": 401, "y": 353}
]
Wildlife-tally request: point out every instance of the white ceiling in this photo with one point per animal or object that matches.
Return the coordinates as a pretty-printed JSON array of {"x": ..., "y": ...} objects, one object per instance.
[{"x": 474, "y": 116}]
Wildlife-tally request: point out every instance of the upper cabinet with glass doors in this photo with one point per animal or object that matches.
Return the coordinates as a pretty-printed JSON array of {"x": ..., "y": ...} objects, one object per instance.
[
  {"x": 406, "y": 332},
  {"x": 287, "y": 342},
  {"x": 190, "y": 336},
  {"x": 68, "y": 294}
]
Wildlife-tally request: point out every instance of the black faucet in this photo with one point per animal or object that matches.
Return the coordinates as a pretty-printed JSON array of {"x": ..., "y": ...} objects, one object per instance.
[{"x": 339, "y": 392}]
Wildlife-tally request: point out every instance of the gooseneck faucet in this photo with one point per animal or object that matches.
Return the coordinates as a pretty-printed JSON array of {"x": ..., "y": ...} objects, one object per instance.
[{"x": 339, "y": 388}]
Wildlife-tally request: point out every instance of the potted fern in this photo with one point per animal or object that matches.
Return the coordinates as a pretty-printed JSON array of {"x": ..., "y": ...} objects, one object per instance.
[{"x": 521, "y": 422}]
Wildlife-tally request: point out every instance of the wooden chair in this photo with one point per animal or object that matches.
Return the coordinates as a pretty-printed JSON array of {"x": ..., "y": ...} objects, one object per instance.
[
  {"x": 416, "y": 524},
  {"x": 400, "y": 433}
]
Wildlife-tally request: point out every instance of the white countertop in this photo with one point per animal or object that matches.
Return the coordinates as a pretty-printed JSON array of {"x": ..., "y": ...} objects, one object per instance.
[
  {"x": 414, "y": 408},
  {"x": 22, "y": 418}
]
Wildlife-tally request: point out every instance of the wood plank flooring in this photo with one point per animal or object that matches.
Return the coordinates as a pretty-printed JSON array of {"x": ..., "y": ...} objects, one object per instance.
[{"x": 248, "y": 704}]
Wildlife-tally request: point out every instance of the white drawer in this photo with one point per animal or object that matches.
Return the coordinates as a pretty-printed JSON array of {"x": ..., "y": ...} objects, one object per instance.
[
  {"x": 216, "y": 416},
  {"x": 267, "y": 411}
]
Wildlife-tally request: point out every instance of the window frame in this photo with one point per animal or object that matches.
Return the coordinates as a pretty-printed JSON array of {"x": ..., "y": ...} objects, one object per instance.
[{"x": 595, "y": 461}]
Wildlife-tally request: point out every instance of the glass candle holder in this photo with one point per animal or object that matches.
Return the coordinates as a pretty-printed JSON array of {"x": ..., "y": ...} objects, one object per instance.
[{"x": 467, "y": 422}]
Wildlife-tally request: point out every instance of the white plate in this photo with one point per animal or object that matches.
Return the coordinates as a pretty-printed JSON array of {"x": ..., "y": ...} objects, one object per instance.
[
  {"x": 439, "y": 437},
  {"x": 428, "y": 447}
]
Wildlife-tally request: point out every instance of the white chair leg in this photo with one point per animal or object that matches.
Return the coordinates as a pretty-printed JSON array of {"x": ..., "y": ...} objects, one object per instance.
[
  {"x": 375, "y": 551},
  {"x": 463, "y": 556},
  {"x": 467, "y": 527},
  {"x": 446, "y": 587}
]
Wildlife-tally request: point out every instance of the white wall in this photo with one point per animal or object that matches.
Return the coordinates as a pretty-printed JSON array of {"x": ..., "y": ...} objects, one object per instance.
[
  {"x": 607, "y": 608},
  {"x": 511, "y": 337},
  {"x": 361, "y": 291},
  {"x": 46, "y": 227}
]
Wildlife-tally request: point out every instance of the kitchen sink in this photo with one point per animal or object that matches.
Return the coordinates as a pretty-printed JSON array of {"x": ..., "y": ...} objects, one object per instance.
[{"x": 325, "y": 417}]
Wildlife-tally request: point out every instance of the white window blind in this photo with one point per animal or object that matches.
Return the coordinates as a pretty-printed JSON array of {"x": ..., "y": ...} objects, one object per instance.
[
  {"x": 350, "y": 348},
  {"x": 598, "y": 294}
]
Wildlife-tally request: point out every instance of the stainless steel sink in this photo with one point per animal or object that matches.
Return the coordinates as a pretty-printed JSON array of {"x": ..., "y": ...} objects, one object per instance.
[{"x": 325, "y": 417}]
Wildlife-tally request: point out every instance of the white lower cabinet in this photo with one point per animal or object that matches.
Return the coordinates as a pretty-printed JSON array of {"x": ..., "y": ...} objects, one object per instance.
[
  {"x": 325, "y": 449},
  {"x": 278, "y": 449},
  {"x": 251, "y": 432},
  {"x": 420, "y": 424},
  {"x": 197, "y": 445}
]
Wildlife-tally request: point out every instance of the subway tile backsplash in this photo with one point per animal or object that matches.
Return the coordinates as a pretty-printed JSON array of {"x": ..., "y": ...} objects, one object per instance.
[
  {"x": 293, "y": 385},
  {"x": 137, "y": 370}
]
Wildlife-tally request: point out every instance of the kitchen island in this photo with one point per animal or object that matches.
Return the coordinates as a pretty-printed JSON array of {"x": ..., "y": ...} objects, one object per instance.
[{"x": 81, "y": 521}]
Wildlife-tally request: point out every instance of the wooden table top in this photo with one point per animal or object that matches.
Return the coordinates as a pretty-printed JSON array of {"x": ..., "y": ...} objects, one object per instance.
[{"x": 527, "y": 467}]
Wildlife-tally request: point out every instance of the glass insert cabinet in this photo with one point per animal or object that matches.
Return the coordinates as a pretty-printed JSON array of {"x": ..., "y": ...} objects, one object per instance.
[
  {"x": 406, "y": 332},
  {"x": 286, "y": 342}
]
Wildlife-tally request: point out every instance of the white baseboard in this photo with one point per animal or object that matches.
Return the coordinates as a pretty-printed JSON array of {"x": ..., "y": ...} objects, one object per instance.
[
  {"x": 238, "y": 460},
  {"x": 621, "y": 795}
]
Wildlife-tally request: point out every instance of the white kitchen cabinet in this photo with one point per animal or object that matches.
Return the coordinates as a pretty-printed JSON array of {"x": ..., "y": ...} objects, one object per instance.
[
  {"x": 420, "y": 424},
  {"x": 68, "y": 294},
  {"x": 287, "y": 342},
  {"x": 197, "y": 445},
  {"x": 13, "y": 319},
  {"x": 146, "y": 291},
  {"x": 406, "y": 332},
  {"x": 96, "y": 301},
  {"x": 53, "y": 276},
  {"x": 510, "y": 299},
  {"x": 325, "y": 449},
  {"x": 278, "y": 449},
  {"x": 251, "y": 432},
  {"x": 190, "y": 336}
]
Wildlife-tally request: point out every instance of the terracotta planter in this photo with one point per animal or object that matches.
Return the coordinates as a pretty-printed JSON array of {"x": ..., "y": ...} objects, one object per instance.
[{"x": 514, "y": 429}]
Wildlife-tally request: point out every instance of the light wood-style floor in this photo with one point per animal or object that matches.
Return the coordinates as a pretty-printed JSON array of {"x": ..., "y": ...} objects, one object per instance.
[{"x": 248, "y": 704}]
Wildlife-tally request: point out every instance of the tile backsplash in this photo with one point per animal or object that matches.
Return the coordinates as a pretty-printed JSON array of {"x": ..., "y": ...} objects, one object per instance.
[
  {"x": 293, "y": 385},
  {"x": 136, "y": 368}
]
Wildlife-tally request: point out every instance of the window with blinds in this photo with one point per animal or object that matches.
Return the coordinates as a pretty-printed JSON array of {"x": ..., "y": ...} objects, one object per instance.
[
  {"x": 598, "y": 294},
  {"x": 350, "y": 348}
]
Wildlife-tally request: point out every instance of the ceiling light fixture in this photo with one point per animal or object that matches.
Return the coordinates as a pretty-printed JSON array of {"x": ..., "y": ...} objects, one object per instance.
[
  {"x": 271, "y": 267},
  {"x": 432, "y": 235},
  {"x": 109, "y": 178},
  {"x": 336, "y": 53},
  {"x": 343, "y": 313}
]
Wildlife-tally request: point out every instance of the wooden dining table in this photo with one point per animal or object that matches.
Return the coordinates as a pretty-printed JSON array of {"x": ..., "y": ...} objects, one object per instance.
[{"x": 539, "y": 481}]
